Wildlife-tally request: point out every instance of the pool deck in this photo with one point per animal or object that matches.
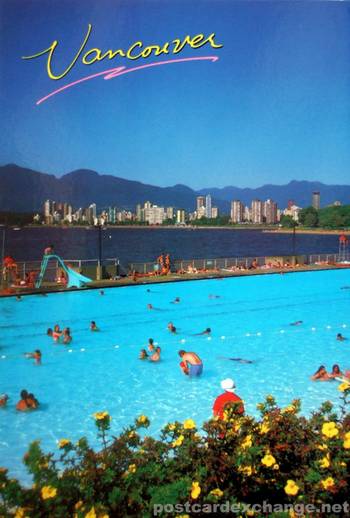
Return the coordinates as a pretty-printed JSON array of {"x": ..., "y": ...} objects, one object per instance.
[{"x": 13, "y": 291}]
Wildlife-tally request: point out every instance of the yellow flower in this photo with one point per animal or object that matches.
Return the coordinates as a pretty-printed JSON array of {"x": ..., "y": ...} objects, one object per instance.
[
  {"x": 247, "y": 443},
  {"x": 291, "y": 488},
  {"x": 329, "y": 429},
  {"x": 346, "y": 444},
  {"x": 268, "y": 460},
  {"x": 347, "y": 436},
  {"x": 91, "y": 513},
  {"x": 195, "y": 490},
  {"x": 132, "y": 434},
  {"x": 290, "y": 409},
  {"x": 182, "y": 516},
  {"x": 276, "y": 467},
  {"x": 344, "y": 386},
  {"x": 216, "y": 492},
  {"x": 324, "y": 462},
  {"x": 21, "y": 513},
  {"x": 171, "y": 426},
  {"x": 178, "y": 441},
  {"x": 78, "y": 504},
  {"x": 142, "y": 419},
  {"x": 322, "y": 447},
  {"x": 264, "y": 428},
  {"x": 189, "y": 424},
  {"x": 63, "y": 442},
  {"x": 48, "y": 492},
  {"x": 132, "y": 468},
  {"x": 247, "y": 470},
  {"x": 327, "y": 483},
  {"x": 101, "y": 415}
]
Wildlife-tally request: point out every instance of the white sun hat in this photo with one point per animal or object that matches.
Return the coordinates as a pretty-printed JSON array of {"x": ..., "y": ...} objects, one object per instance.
[{"x": 228, "y": 384}]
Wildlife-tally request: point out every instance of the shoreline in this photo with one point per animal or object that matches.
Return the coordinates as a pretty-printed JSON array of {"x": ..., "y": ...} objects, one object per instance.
[{"x": 264, "y": 229}]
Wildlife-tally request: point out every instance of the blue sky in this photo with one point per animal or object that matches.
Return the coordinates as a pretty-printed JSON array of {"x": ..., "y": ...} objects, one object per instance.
[{"x": 274, "y": 107}]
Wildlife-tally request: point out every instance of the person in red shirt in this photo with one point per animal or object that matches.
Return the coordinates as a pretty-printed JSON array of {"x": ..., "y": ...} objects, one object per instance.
[{"x": 228, "y": 385}]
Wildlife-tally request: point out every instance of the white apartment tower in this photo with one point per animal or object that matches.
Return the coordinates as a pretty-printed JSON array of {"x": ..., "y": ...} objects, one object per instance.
[{"x": 237, "y": 211}]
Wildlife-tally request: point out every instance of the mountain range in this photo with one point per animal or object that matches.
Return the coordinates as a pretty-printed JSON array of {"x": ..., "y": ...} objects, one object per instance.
[{"x": 25, "y": 190}]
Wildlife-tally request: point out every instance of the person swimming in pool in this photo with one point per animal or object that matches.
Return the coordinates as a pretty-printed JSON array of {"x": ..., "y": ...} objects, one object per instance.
[
  {"x": 297, "y": 323},
  {"x": 191, "y": 364},
  {"x": 176, "y": 301},
  {"x": 321, "y": 374},
  {"x": 336, "y": 372},
  {"x": 143, "y": 354},
  {"x": 36, "y": 355},
  {"x": 93, "y": 326},
  {"x": 172, "y": 328},
  {"x": 155, "y": 357},
  {"x": 206, "y": 331},
  {"x": 239, "y": 360},
  {"x": 340, "y": 337},
  {"x": 3, "y": 400},
  {"x": 67, "y": 338},
  {"x": 27, "y": 402}
]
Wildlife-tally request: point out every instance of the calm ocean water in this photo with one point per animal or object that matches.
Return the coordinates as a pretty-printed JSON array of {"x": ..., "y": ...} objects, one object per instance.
[{"x": 135, "y": 244}]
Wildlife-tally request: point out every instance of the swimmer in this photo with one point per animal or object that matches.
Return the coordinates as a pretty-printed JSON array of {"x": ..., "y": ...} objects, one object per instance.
[
  {"x": 239, "y": 360},
  {"x": 66, "y": 336},
  {"x": 3, "y": 400},
  {"x": 27, "y": 402},
  {"x": 93, "y": 326},
  {"x": 176, "y": 301},
  {"x": 151, "y": 348},
  {"x": 340, "y": 337},
  {"x": 336, "y": 372},
  {"x": 18, "y": 297},
  {"x": 321, "y": 374},
  {"x": 171, "y": 328},
  {"x": 56, "y": 333},
  {"x": 143, "y": 354},
  {"x": 211, "y": 296},
  {"x": 150, "y": 341},
  {"x": 102, "y": 292},
  {"x": 156, "y": 355},
  {"x": 149, "y": 306},
  {"x": 345, "y": 288},
  {"x": 36, "y": 355},
  {"x": 297, "y": 323},
  {"x": 191, "y": 364},
  {"x": 206, "y": 331}
]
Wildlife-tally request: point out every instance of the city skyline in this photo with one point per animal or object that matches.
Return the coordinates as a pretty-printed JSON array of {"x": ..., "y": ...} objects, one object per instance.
[{"x": 273, "y": 107}]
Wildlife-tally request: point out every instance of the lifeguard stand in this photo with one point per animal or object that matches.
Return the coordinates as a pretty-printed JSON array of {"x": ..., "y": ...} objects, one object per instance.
[{"x": 343, "y": 248}]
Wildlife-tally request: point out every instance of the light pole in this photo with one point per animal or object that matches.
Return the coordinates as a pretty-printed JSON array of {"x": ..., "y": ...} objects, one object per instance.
[
  {"x": 3, "y": 227},
  {"x": 294, "y": 243},
  {"x": 99, "y": 267}
]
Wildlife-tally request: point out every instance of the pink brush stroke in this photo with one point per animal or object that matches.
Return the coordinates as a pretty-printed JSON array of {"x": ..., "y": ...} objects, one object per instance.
[{"x": 119, "y": 71}]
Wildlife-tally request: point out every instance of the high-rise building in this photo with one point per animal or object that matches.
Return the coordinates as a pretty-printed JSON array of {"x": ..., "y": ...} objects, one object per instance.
[
  {"x": 214, "y": 212},
  {"x": 257, "y": 211},
  {"x": 154, "y": 215},
  {"x": 200, "y": 202},
  {"x": 138, "y": 212},
  {"x": 208, "y": 206},
  {"x": 170, "y": 212},
  {"x": 237, "y": 211},
  {"x": 180, "y": 217},
  {"x": 316, "y": 200},
  {"x": 270, "y": 212}
]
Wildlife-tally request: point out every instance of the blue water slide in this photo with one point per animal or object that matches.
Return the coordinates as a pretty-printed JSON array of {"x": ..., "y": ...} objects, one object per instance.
[{"x": 74, "y": 279}]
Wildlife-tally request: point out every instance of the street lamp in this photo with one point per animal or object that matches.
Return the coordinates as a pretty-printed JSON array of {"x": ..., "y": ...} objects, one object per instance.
[
  {"x": 3, "y": 227},
  {"x": 294, "y": 242},
  {"x": 99, "y": 267}
]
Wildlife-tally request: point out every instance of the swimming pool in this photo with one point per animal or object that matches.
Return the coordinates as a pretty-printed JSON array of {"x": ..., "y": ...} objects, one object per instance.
[{"x": 101, "y": 371}]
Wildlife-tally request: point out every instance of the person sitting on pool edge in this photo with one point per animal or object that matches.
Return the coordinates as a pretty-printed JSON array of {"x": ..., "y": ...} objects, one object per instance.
[
  {"x": 321, "y": 374},
  {"x": 191, "y": 364},
  {"x": 340, "y": 337},
  {"x": 228, "y": 397}
]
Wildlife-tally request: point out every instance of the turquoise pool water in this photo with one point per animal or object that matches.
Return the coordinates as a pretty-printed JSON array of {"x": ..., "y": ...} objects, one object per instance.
[{"x": 101, "y": 371}]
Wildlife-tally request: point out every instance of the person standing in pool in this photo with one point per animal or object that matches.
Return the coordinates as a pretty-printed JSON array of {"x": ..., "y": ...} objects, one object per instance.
[{"x": 191, "y": 364}]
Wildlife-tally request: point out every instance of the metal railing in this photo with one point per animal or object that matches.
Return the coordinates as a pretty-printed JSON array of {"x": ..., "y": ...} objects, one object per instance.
[{"x": 231, "y": 263}]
